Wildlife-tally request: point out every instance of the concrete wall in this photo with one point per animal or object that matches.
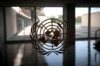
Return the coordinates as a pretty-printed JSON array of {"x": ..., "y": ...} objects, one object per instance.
[
  {"x": 11, "y": 25},
  {"x": 84, "y": 20},
  {"x": 95, "y": 19}
]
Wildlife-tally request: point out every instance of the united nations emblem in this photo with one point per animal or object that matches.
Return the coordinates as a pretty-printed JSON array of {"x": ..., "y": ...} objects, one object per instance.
[{"x": 49, "y": 36}]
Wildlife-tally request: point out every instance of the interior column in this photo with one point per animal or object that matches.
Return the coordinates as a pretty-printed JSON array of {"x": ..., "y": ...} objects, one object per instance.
[{"x": 69, "y": 18}]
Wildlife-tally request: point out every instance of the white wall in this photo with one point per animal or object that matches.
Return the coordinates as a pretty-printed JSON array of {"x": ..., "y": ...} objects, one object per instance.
[
  {"x": 11, "y": 25},
  {"x": 95, "y": 19}
]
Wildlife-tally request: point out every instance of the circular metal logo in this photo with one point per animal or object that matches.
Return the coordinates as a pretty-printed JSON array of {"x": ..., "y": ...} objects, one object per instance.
[{"x": 49, "y": 36}]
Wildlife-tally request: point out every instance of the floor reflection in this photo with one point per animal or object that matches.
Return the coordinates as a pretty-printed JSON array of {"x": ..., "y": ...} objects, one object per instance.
[
  {"x": 82, "y": 54},
  {"x": 25, "y": 55},
  {"x": 95, "y": 55},
  {"x": 54, "y": 60},
  {"x": 19, "y": 56}
]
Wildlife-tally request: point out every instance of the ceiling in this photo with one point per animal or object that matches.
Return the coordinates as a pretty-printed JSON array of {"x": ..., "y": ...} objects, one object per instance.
[{"x": 48, "y": 2}]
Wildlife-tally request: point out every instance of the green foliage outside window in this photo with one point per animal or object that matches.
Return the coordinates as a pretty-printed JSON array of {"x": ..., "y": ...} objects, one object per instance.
[{"x": 78, "y": 19}]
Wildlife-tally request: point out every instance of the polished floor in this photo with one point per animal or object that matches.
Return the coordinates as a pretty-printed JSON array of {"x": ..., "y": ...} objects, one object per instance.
[
  {"x": 22, "y": 54},
  {"x": 86, "y": 54}
]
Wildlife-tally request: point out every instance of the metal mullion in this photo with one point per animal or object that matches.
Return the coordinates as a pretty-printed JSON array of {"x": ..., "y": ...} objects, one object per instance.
[{"x": 89, "y": 34}]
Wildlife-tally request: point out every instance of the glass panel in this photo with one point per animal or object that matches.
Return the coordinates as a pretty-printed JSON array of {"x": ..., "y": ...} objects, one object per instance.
[
  {"x": 95, "y": 33},
  {"x": 18, "y": 26},
  {"x": 18, "y": 23},
  {"x": 81, "y": 23},
  {"x": 18, "y": 20},
  {"x": 44, "y": 13},
  {"x": 49, "y": 12},
  {"x": 95, "y": 21}
]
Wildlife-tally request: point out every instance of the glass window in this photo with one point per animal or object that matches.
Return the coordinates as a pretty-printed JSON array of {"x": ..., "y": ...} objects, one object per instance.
[
  {"x": 81, "y": 22},
  {"x": 95, "y": 21},
  {"x": 18, "y": 23}
]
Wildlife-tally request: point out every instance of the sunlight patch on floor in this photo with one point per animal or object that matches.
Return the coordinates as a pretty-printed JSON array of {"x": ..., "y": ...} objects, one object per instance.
[{"x": 19, "y": 56}]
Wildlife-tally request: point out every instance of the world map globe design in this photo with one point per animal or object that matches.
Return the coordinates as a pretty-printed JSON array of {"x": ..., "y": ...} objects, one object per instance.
[{"x": 49, "y": 36}]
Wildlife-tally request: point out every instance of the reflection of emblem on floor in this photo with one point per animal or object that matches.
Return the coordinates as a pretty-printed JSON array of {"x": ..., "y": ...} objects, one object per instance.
[{"x": 49, "y": 36}]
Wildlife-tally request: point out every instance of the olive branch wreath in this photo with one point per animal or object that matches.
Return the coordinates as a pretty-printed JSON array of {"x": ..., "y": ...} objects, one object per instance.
[{"x": 36, "y": 43}]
